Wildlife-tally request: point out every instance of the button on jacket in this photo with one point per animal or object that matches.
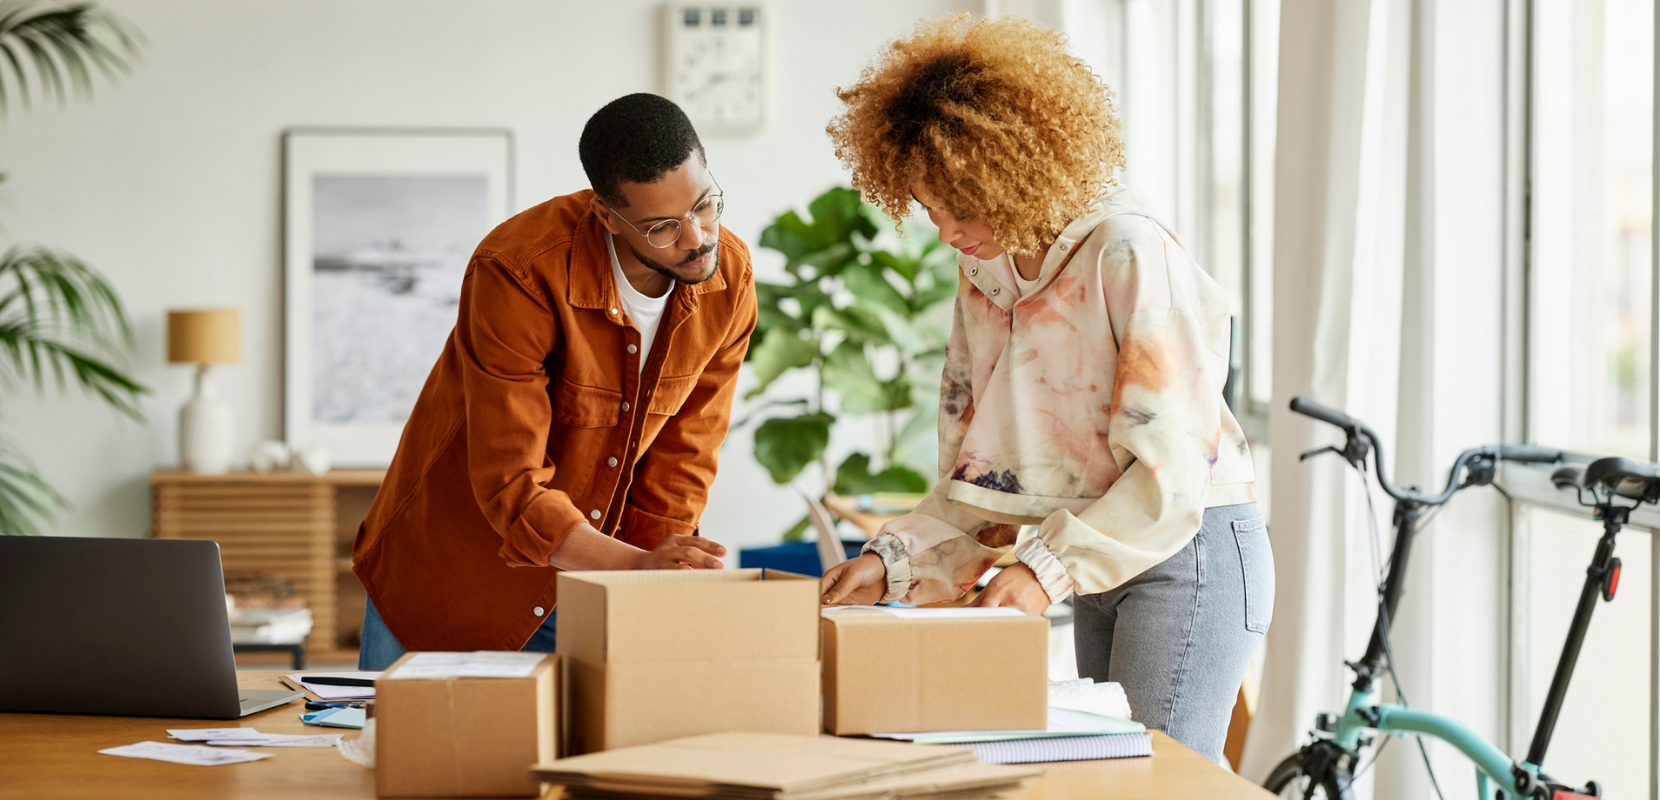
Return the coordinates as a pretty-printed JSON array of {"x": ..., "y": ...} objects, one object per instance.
[
  {"x": 538, "y": 417},
  {"x": 1090, "y": 408}
]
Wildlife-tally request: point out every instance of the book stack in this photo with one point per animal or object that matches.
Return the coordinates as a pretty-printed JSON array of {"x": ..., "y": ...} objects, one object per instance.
[
  {"x": 270, "y": 625},
  {"x": 1070, "y": 736},
  {"x": 781, "y": 766}
]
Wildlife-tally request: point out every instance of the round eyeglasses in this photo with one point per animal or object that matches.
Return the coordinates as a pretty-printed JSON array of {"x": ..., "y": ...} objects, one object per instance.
[{"x": 665, "y": 233}]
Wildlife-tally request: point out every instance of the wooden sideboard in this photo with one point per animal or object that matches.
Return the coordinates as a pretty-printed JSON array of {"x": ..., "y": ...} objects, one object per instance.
[{"x": 291, "y": 524}]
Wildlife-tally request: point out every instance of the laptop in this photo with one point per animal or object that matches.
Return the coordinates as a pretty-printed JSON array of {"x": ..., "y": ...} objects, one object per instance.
[{"x": 122, "y": 627}]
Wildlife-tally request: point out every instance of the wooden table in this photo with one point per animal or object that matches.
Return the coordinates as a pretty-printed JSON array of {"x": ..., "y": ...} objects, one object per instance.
[{"x": 48, "y": 756}]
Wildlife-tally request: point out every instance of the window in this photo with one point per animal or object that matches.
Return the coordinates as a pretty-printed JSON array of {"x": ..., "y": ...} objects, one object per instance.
[
  {"x": 1585, "y": 187},
  {"x": 1592, "y": 188}
]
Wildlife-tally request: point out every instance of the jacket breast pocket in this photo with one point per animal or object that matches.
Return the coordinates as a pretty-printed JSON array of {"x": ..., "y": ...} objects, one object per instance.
[
  {"x": 585, "y": 406},
  {"x": 671, "y": 394}
]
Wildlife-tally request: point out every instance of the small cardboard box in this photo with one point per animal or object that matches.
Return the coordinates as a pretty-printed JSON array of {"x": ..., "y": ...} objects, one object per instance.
[
  {"x": 662, "y": 654},
  {"x": 956, "y": 672},
  {"x": 465, "y": 737}
]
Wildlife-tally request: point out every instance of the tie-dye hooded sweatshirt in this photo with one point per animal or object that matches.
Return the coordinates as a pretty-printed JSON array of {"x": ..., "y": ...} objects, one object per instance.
[{"x": 1091, "y": 407}]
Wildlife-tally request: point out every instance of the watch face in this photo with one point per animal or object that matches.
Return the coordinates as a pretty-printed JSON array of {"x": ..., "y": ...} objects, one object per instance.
[{"x": 716, "y": 69}]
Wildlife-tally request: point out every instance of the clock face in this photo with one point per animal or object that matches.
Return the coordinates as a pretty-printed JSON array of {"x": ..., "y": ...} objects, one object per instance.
[{"x": 716, "y": 66}]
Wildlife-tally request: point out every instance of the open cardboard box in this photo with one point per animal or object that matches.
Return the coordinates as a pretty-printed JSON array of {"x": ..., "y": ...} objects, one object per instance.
[{"x": 662, "y": 654}]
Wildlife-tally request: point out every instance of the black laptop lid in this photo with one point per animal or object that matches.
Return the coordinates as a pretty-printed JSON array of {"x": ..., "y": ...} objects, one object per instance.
[{"x": 114, "y": 626}]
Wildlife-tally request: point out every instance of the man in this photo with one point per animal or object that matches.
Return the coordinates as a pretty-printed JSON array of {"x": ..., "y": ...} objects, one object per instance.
[{"x": 573, "y": 419}]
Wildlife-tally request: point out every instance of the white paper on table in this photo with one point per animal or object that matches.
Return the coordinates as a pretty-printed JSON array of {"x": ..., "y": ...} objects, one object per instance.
[
  {"x": 935, "y": 613},
  {"x": 248, "y": 737},
  {"x": 480, "y": 664},
  {"x": 193, "y": 754},
  {"x": 337, "y": 692},
  {"x": 1106, "y": 699}
]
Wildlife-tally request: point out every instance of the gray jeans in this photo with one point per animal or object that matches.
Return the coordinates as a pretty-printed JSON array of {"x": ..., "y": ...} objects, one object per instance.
[{"x": 1180, "y": 635}]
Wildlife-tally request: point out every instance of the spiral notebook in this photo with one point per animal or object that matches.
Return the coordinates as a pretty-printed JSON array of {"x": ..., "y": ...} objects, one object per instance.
[{"x": 1069, "y": 748}]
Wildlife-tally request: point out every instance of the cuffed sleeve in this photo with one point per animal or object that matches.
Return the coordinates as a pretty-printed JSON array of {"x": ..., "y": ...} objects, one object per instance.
[
  {"x": 504, "y": 330},
  {"x": 1049, "y": 570},
  {"x": 896, "y": 561}
]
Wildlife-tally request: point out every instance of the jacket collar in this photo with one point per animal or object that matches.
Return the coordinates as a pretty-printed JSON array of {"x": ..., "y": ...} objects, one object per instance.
[
  {"x": 591, "y": 283},
  {"x": 995, "y": 279}
]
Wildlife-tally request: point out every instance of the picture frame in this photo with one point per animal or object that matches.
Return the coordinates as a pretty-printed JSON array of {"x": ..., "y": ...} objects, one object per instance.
[{"x": 378, "y": 226}]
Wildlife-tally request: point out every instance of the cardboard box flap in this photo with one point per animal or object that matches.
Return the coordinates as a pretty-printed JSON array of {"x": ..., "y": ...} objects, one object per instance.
[
  {"x": 687, "y": 615},
  {"x": 747, "y": 762}
]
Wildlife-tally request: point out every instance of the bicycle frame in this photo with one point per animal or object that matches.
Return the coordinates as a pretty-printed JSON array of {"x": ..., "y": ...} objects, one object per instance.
[{"x": 1364, "y": 713}]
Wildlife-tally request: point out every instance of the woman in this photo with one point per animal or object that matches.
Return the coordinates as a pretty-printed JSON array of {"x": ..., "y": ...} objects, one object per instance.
[{"x": 1082, "y": 391}]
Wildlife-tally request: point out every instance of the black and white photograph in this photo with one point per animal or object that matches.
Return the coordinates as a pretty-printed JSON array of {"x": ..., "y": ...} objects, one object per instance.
[
  {"x": 389, "y": 253},
  {"x": 379, "y": 227}
]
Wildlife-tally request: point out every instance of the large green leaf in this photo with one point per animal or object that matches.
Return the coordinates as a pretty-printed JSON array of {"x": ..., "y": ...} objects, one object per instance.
[
  {"x": 27, "y": 499},
  {"x": 779, "y": 351},
  {"x": 786, "y": 445},
  {"x": 854, "y": 477},
  {"x": 848, "y": 371},
  {"x": 869, "y": 284},
  {"x": 855, "y": 324}
]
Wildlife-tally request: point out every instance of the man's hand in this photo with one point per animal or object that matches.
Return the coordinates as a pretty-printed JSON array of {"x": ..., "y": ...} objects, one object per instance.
[
  {"x": 1014, "y": 587},
  {"x": 857, "y": 582},
  {"x": 682, "y": 552}
]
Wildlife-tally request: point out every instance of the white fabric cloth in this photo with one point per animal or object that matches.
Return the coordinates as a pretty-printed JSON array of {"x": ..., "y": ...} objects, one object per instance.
[{"x": 644, "y": 311}]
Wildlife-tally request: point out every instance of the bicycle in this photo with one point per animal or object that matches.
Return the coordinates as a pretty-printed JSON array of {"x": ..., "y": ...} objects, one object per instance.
[{"x": 1326, "y": 765}]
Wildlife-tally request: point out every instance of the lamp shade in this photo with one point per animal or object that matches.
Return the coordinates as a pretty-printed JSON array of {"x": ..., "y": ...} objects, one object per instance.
[{"x": 204, "y": 336}]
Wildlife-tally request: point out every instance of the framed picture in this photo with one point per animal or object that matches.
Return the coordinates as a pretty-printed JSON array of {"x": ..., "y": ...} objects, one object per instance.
[{"x": 378, "y": 227}]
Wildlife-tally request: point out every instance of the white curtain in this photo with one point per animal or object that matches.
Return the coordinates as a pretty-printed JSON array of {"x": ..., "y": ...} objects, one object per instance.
[{"x": 1388, "y": 248}]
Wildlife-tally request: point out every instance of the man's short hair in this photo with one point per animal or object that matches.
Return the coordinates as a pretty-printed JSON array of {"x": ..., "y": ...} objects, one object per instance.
[{"x": 637, "y": 138}]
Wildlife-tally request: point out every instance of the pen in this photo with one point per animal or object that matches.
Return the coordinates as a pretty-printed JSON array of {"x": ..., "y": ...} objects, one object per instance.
[
  {"x": 315, "y": 706},
  {"x": 326, "y": 681}
]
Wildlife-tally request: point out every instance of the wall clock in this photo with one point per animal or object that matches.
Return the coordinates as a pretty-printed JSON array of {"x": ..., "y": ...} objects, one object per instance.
[{"x": 716, "y": 64}]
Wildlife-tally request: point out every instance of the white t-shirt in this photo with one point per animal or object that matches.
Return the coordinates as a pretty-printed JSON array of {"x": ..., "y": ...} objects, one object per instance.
[
  {"x": 646, "y": 312},
  {"x": 1022, "y": 285}
]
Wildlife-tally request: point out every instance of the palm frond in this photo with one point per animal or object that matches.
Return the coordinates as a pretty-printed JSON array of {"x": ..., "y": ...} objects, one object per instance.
[
  {"x": 60, "y": 320},
  {"x": 27, "y": 500},
  {"x": 62, "y": 47}
]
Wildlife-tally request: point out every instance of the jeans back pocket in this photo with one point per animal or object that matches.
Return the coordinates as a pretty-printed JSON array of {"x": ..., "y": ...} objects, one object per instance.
[{"x": 1256, "y": 561}]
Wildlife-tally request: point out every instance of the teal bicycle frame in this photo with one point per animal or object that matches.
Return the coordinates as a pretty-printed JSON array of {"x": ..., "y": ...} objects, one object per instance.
[{"x": 1516, "y": 778}]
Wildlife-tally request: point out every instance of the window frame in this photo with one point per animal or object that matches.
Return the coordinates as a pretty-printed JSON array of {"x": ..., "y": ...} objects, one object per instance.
[{"x": 1529, "y": 485}]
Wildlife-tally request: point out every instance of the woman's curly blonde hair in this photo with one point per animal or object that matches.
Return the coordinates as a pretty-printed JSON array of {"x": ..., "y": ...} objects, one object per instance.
[{"x": 992, "y": 116}]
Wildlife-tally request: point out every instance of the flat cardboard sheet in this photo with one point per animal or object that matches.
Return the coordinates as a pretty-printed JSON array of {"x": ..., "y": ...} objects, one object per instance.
[{"x": 748, "y": 764}]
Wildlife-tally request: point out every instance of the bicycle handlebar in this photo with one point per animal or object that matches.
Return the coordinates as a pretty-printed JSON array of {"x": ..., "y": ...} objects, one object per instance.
[
  {"x": 1355, "y": 429},
  {"x": 1309, "y": 408},
  {"x": 1528, "y": 454}
]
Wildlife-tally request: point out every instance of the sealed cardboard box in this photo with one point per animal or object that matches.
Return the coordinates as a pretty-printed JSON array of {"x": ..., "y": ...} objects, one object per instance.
[
  {"x": 656, "y": 655},
  {"x": 908, "y": 670},
  {"x": 465, "y": 724}
]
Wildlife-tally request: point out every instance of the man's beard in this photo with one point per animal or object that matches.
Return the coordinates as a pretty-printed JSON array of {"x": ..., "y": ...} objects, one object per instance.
[{"x": 669, "y": 271}]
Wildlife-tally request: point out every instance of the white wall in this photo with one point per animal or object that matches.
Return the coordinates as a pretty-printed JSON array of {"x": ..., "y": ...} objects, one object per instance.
[{"x": 169, "y": 181}]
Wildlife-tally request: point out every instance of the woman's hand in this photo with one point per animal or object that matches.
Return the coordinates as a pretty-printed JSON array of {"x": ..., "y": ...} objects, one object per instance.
[
  {"x": 1014, "y": 587},
  {"x": 856, "y": 582},
  {"x": 682, "y": 552}
]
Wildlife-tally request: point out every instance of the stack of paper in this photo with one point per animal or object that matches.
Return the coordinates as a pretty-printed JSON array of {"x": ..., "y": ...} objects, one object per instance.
[
  {"x": 776, "y": 766},
  {"x": 1070, "y": 736}
]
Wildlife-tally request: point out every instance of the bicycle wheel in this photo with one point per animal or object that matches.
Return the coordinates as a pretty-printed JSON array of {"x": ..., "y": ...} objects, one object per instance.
[{"x": 1316, "y": 771}]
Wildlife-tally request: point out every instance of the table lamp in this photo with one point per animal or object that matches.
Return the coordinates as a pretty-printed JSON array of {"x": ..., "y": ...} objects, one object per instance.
[{"x": 205, "y": 337}]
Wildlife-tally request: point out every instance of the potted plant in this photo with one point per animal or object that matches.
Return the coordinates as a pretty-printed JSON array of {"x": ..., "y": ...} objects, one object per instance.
[
  {"x": 859, "y": 313},
  {"x": 60, "y": 320}
]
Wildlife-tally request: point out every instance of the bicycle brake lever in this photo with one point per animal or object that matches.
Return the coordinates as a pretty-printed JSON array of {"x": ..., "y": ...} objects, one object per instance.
[{"x": 1318, "y": 452}]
